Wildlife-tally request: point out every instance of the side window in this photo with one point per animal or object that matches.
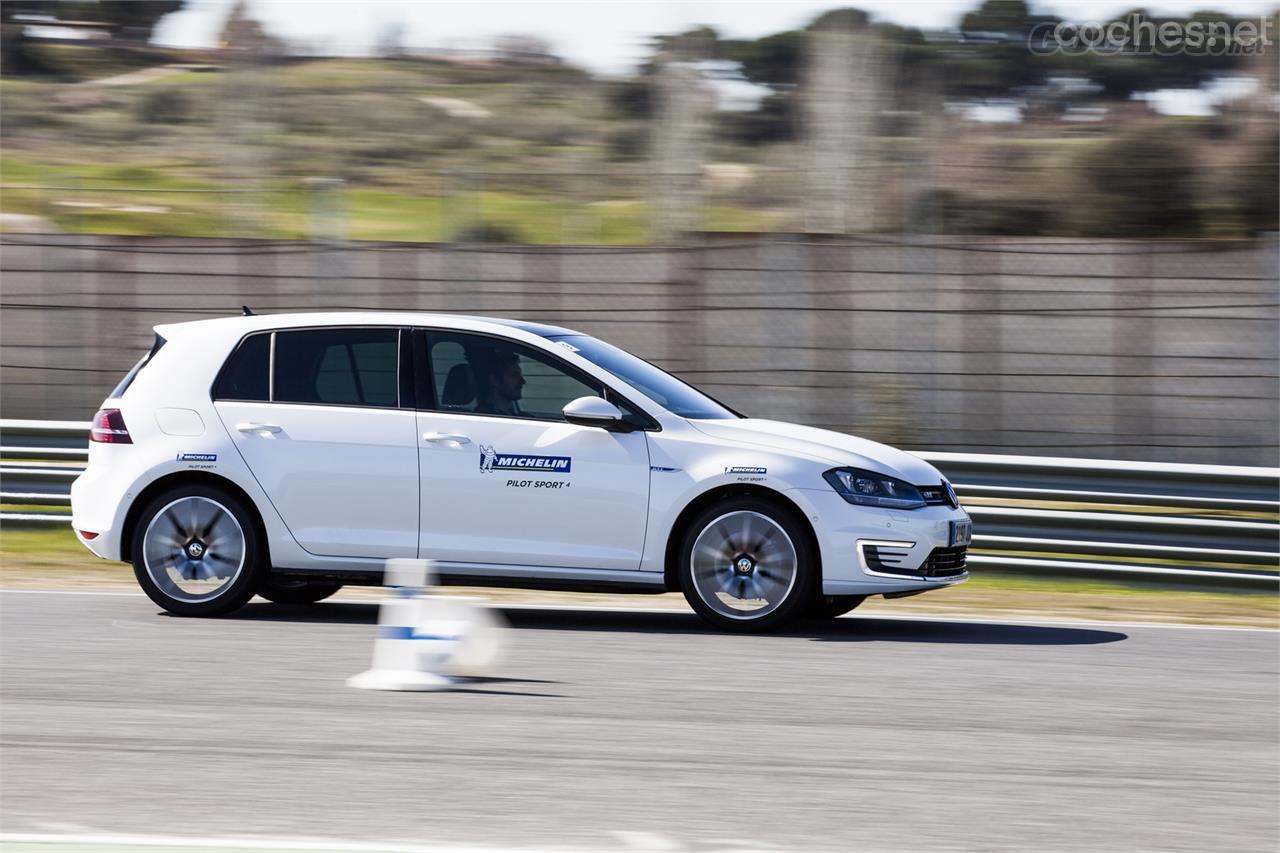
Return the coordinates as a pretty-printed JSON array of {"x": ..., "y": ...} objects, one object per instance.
[
  {"x": 244, "y": 376},
  {"x": 337, "y": 367},
  {"x": 489, "y": 376}
]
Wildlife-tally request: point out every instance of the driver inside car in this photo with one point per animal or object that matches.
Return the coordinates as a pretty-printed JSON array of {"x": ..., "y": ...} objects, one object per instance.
[{"x": 501, "y": 384}]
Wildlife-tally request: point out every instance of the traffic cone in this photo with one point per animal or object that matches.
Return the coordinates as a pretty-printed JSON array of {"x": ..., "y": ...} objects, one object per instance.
[
  {"x": 478, "y": 629},
  {"x": 424, "y": 639}
]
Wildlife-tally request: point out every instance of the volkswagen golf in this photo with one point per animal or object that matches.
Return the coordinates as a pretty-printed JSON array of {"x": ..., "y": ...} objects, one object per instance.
[{"x": 288, "y": 455}]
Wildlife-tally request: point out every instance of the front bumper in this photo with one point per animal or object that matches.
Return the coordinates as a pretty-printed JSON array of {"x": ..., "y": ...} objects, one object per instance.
[{"x": 872, "y": 551}]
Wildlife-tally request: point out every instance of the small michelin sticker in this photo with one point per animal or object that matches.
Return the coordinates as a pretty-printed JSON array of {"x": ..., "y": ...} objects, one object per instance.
[
  {"x": 745, "y": 469},
  {"x": 197, "y": 457}
]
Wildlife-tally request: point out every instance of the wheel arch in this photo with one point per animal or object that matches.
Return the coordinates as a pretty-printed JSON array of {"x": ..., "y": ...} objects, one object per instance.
[
  {"x": 187, "y": 478},
  {"x": 671, "y": 561}
]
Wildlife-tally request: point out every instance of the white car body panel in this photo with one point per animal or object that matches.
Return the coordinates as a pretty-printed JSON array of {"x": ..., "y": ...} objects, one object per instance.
[
  {"x": 343, "y": 488},
  {"x": 532, "y": 517},
  {"x": 343, "y": 479}
]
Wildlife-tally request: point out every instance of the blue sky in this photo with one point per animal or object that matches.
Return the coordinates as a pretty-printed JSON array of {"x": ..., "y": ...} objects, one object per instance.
[{"x": 601, "y": 35}]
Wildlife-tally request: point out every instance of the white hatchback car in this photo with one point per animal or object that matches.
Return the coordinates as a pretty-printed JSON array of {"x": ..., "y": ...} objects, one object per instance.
[{"x": 288, "y": 455}]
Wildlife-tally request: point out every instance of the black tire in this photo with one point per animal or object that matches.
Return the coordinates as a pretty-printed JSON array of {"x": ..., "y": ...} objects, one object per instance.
[
  {"x": 285, "y": 590},
  {"x": 156, "y": 572},
  {"x": 831, "y": 606},
  {"x": 788, "y": 604}
]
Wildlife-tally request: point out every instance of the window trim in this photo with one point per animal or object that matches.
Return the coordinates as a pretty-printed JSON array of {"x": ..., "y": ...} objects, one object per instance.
[
  {"x": 572, "y": 370},
  {"x": 271, "y": 368},
  {"x": 406, "y": 375},
  {"x": 401, "y": 366}
]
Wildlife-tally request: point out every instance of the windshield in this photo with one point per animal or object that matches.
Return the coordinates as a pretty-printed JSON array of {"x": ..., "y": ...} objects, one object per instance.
[{"x": 673, "y": 395}]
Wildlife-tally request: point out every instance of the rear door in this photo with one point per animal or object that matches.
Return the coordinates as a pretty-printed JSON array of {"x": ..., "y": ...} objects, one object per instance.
[
  {"x": 317, "y": 415},
  {"x": 506, "y": 480}
]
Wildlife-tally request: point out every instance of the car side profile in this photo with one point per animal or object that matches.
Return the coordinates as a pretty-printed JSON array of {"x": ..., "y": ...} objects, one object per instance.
[{"x": 289, "y": 455}]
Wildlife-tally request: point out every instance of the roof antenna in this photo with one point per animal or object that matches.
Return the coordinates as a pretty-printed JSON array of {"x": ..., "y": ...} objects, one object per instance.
[{"x": 246, "y": 311}]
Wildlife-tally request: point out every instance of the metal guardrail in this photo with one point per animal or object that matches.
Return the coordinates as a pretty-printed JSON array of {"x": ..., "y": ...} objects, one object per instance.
[{"x": 1137, "y": 521}]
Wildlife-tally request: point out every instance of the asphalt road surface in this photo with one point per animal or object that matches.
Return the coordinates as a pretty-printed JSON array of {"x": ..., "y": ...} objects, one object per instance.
[{"x": 638, "y": 730}]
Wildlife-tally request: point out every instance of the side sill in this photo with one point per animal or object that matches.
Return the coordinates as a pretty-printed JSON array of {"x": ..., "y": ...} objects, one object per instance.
[{"x": 522, "y": 577}]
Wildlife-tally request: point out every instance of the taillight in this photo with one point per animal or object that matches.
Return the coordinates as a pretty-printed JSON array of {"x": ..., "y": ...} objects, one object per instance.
[{"x": 108, "y": 427}]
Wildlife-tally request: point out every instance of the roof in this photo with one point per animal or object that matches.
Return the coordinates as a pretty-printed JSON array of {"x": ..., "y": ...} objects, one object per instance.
[{"x": 470, "y": 322}]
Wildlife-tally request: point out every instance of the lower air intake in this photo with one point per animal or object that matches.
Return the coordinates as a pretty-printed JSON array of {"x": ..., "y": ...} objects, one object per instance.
[{"x": 941, "y": 562}]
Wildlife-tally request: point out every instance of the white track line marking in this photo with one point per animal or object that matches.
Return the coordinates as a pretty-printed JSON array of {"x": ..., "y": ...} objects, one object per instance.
[
  {"x": 289, "y": 843},
  {"x": 605, "y": 608}
]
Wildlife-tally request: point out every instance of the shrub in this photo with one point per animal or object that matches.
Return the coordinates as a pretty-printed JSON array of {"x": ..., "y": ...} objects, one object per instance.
[
  {"x": 487, "y": 232},
  {"x": 628, "y": 144},
  {"x": 1139, "y": 184},
  {"x": 950, "y": 212},
  {"x": 164, "y": 106},
  {"x": 1255, "y": 185}
]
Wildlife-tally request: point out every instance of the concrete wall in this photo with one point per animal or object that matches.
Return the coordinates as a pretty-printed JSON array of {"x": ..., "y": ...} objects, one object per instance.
[{"x": 1137, "y": 350}]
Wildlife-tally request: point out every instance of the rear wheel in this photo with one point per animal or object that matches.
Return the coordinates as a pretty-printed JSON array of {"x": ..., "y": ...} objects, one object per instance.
[
  {"x": 746, "y": 565},
  {"x": 197, "y": 551},
  {"x": 831, "y": 606},
  {"x": 283, "y": 590}
]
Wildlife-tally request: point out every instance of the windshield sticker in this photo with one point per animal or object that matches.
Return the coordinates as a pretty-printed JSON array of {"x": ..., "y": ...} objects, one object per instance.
[
  {"x": 197, "y": 457},
  {"x": 491, "y": 460},
  {"x": 570, "y": 347},
  {"x": 745, "y": 469}
]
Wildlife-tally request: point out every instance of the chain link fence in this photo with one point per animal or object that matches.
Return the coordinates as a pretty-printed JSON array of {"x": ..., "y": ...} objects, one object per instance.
[{"x": 1155, "y": 350}]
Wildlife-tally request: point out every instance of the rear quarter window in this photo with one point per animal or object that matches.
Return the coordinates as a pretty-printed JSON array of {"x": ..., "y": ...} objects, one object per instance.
[{"x": 244, "y": 376}]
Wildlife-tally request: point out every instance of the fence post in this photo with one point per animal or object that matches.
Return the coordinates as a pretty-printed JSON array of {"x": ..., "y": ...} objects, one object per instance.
[
  {"x": 328, "y": 219},
  {"x": 1133, "y": 381},
  {"x": 983, "y": 350},
  {"x": 1268, "y": 449}
]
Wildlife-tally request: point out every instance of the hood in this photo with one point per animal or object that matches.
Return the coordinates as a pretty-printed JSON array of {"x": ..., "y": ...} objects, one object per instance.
[{"x": 835, "y": 447}]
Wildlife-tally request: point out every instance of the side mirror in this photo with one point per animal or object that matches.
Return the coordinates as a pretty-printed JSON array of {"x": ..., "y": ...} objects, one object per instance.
[{"x": 595, "y": 412}]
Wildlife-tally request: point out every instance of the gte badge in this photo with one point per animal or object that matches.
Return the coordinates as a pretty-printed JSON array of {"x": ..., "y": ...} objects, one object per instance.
[
  {"x": 491, "y": 460},
  {"x": 197, "y": 457}
]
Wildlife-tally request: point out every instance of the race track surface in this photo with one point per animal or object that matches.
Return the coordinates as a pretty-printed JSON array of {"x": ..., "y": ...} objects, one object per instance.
[{"x": 638, "y": 730}]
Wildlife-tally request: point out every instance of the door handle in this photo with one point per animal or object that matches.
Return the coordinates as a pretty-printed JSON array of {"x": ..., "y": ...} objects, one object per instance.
[
  {"x": 445, "y": 438},
  {"x": 248, "y": 426}
]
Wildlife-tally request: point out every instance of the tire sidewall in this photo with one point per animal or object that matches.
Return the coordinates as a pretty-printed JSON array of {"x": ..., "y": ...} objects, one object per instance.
[
  {"x": 806, "y": 564},
  {"x": 255, "y": 559}
]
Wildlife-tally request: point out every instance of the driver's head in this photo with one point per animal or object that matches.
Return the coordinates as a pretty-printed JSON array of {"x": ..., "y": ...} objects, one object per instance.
[{"x": 505, "y": 379}]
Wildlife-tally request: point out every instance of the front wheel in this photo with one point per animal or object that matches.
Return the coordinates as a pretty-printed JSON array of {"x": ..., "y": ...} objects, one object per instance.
[
  {"x": 197, "y": 551},
  {"x": 296, "y": 590},
  {"x": 746, "y": 565}
]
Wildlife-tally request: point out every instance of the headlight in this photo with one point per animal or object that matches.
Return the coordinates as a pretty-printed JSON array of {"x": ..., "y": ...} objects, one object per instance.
[{"x": 868, "y": 489}]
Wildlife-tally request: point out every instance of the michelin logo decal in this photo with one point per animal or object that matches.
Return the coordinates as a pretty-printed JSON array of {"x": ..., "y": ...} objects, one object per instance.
[
  {"x": 197, "y": 457},
  {"x": 491, "y": 460}
]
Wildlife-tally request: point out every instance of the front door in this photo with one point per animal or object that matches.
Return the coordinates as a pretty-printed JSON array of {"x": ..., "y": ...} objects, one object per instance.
[{"x": 506, "y": 480}]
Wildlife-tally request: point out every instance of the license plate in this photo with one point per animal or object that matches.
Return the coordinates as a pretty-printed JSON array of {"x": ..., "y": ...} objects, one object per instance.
[{"x": 961, "y": 532}]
